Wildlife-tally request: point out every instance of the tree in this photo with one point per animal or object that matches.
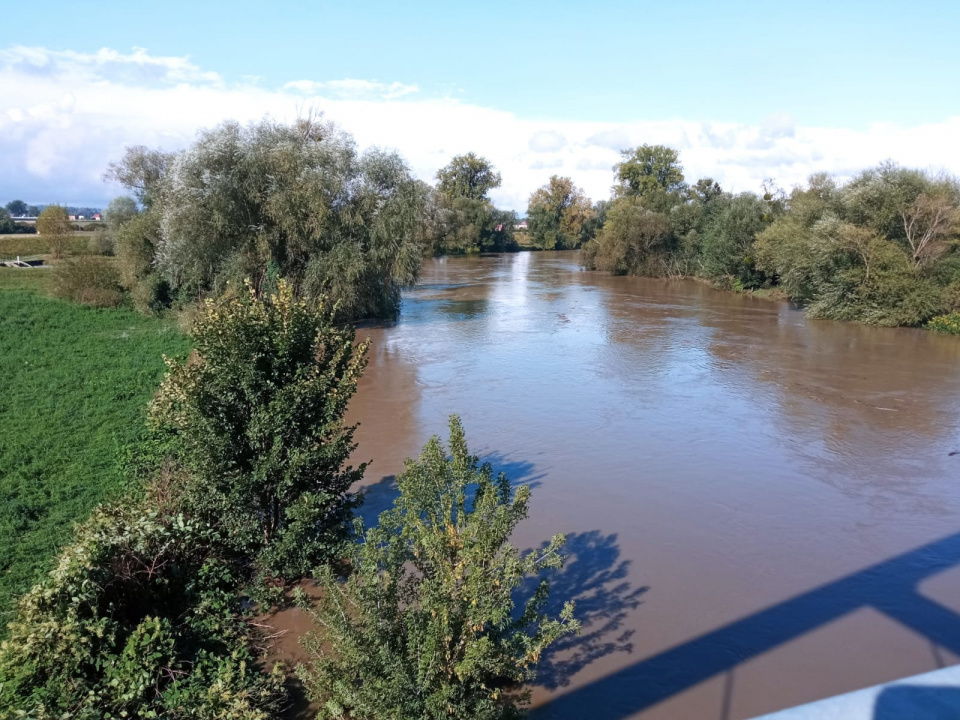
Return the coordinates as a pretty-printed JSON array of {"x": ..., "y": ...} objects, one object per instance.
[
  {"x": 142, "y": 171},
  {"x": 257, "y": 419},
  {"x": 726, "y": 241},
  {"x": 468, "y": 176},
  {"x": 557, "y": 213},
  {"x": 120, "y": 211},
  {"x": 652, "y": 172},
  {"x": 634, "y": 240},
  {"x": 466, "y": 220},
  {"x": 927, "y": 224},
  {"x": 424, "y": 626},
  {"x": 54, "y": 224},
  {"x": 33, "y": 211},
  {"x": 299, "y": 197},
  {"x": 17, "y": 208}
]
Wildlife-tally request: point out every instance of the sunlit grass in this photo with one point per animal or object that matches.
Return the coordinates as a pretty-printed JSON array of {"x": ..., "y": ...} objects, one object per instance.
[{"x": 76, "y": 382}]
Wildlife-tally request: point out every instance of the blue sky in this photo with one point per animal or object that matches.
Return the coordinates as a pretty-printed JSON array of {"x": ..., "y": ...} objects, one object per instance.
[{"x": 572, "y": 69}]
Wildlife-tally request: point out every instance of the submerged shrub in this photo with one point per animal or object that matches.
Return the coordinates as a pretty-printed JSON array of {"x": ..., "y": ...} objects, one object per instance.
[
  {"x": 89, "y": 280},
  {"x": 949, "y": 323},
  {"x": 424, "y": 626}
]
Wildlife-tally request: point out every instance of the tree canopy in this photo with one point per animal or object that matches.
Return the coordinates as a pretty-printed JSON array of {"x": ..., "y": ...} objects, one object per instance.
[
  {"x": 17, "y": 208},
  {"x": 468, "y": 176},
  {"x": 557, "y": 214},
  {"x": 298, "y": 197}
]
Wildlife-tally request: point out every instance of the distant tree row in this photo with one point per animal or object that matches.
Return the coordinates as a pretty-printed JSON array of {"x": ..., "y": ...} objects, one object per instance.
[
  {"x": 300, "y": 201},
  {"x": 883, "y": 248}
]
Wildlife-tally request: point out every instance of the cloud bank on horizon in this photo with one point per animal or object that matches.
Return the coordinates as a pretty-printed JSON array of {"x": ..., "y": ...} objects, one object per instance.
[{"x": 65, "y": 115}]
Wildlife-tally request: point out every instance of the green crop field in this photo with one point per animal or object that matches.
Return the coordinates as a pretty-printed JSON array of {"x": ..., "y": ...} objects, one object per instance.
[
  {"x": 34, "y": 245},
  {"x": 75, "y": 385}
]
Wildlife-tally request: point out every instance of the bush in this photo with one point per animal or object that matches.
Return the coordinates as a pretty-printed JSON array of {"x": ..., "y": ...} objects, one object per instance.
[
  {"x": 633, "y": 241},
  {"x": 88, "y": 280},
  {"x": 257, "y": 417},
  {"x": 430, "y": 632},
  {"x": 140, "y": 618},
  {"x": 949, "y": 323},
  {"x": 151, "y": 294},
  {"x": 100, "y": 242}
]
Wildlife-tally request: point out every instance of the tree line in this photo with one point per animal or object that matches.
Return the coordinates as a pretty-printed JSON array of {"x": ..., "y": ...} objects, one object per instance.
[{"x": 301, "y": 201}]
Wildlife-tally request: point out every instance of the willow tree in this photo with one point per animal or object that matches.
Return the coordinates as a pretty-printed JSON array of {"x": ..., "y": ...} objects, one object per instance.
[{"x": 299, "y": 198}]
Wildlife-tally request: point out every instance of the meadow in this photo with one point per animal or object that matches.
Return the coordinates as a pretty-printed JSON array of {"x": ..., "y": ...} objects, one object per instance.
[{"x": 76, "y": 383}]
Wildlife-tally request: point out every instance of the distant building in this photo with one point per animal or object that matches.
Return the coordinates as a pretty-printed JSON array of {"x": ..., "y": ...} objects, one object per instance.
[
  {"x": 96, "y": 216},
  {"x": 71, "y": 217},
  {"x": 520, "y": 225}
]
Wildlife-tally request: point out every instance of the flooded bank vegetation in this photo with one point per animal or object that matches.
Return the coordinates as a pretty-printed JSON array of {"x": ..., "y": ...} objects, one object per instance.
[
  {"x": 240, "y": 489},
  {"x": 882, "y": 248}
]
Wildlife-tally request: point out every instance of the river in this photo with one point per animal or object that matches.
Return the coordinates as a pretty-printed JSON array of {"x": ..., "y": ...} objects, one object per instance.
[{"x": 761, "y": 509}]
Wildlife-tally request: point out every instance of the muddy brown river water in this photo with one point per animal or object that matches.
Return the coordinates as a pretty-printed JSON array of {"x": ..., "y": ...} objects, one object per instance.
[{"x": 762, "y": 510}]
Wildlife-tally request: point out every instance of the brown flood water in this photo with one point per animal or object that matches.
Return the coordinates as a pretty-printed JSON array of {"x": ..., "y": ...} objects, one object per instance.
[{"x": 762, "y": 510}]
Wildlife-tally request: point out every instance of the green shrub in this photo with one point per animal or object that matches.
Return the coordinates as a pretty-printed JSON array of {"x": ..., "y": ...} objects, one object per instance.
[
  {"x": 140, "y": 618},
  {"x": 949, "y": 323},
  {"x": 257, "y": 416},
  {"x": 150, "y": 294},
  {"x": 89, "y": 280},
  {"x": 424, "y": 626},
  {"x": 100, "y": 242}
]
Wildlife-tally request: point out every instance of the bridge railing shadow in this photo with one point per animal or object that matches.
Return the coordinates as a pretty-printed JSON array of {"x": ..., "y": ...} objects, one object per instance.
[{"x": 890, "y": 587}]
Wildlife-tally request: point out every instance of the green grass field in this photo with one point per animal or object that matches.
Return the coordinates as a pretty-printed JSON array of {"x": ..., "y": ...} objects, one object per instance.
[
  {"x": 75, "y": 385},
  {"x": 35, "y": 245}
]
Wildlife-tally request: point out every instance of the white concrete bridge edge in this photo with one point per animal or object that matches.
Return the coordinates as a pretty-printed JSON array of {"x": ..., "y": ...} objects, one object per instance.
[{"x": 924, "y": 704}]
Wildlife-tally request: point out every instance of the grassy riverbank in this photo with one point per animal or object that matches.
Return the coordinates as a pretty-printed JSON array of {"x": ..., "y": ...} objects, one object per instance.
[{"x": 76, "y": 382}]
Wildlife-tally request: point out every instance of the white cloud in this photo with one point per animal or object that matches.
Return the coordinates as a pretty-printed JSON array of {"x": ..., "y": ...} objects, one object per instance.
[
  {"x": 352, "y": 89},
  {"x": 64, "y": 115},
  {"x": 547, "y": 141}
]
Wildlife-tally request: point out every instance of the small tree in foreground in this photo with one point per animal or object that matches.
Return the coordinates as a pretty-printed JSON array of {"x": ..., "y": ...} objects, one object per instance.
[
  {"x": 256, "y": 418},
  {"x": 424, "y": 626}
]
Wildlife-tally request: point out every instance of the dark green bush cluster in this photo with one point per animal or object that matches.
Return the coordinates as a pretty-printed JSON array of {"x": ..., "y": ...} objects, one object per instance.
[
  {"x": 883, "y": 248},
  {"x": 257, "y": 421},
  {"x": 140, "y": 618},
  {"x": 8, "y": 226}
]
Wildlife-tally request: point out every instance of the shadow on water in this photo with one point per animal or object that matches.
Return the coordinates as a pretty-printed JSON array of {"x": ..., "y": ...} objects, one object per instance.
[
  {"x": 917, "y": 701},
  {"x": 889, "y": 587},
  {"x": 593, "y": 576},
  {"x": 379, "y": 496}
]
